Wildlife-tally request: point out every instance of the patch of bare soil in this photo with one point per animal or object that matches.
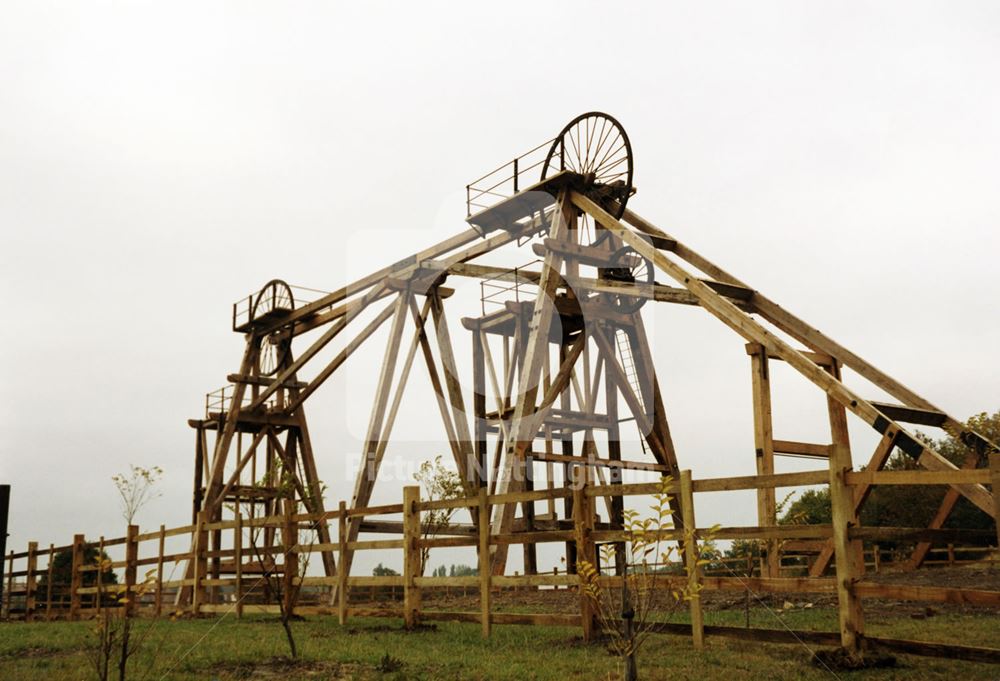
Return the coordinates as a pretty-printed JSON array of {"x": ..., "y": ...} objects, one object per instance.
[
  {"x": 286, "y": 668},
  {"x": 37, "y": 652}
]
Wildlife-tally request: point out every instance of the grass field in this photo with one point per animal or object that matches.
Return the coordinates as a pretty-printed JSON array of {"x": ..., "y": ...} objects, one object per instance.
[{"x": 254, "y": 648}]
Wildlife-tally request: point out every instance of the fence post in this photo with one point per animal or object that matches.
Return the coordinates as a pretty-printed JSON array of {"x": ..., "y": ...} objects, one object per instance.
[
  {"x": 238, "y": 560},
  {"x": 845, "y": 550},
  {"x": 159, "y": 570},
  {"x": 411, "y": 555},
  {"x": 290, "y": 540},
  {"x": 342, "y": 563},
  {"x": 131, "y": 568},
  {"x": 995, "y": 490},
  {"x": 691, "y": 560},
  {"x": 877, "y": 551},
  {"x": 30, "y": 581},
  {"x": 200, "y": 562},
  {"x": 10, "y": 584},
  {"x": 583, "y": 517},
  {"x": 48, "y": 582},
  {"x": 76, "y": 577},
  {"x": 485, "y": 568}
]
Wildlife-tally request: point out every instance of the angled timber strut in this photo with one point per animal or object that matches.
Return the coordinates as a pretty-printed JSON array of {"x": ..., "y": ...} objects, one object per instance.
[{"x": 563, "y": 384}]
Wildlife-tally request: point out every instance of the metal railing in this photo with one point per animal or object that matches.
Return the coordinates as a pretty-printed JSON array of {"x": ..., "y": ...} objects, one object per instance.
[
  {"x": 497, "y": 290},
  {"x": 220, "y": 401},
  {"x": 507, "y": 180},
  {"x": 246, "y": 310}
]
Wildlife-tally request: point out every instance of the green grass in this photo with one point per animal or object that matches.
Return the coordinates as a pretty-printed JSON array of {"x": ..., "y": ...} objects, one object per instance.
[{"x": 215, "y": 649}]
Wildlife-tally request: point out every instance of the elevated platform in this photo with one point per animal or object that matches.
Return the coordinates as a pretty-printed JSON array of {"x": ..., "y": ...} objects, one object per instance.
[{"x": 510, "y": 213}]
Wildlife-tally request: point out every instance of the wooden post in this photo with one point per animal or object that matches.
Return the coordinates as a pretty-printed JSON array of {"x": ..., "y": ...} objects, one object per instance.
[
  {"x": 485, "y": 566},
  {"x": 764, "y": 445},
  {"x": 238, "y": 560},
  {"x": 342, "y": 568},
  {"x": 411, "y": 555},
  {"x": 10, "y": 584},
  {"x": 877, "y": 552},
  {"x": 583, "y": 517},
  {"x": 845, "y": 551},
  {"x": 30, "y": 581},
  {"x": 76, "y": 577},
  {"x": 131, "y": 569},
  {"x": 995, "y": 489},
  {"x": 159, "y": 570},
  {"x": 691, "y": 560},
  {"x": 48, "y": 582},
  {"x": 99, "y": 575},
  {"x": 200, "y": 561},
  {"x": 290, "y": 540}
]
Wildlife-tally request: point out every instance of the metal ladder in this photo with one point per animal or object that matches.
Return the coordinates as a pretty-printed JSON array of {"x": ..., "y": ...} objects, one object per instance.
[{"x": 628, "y": 368}]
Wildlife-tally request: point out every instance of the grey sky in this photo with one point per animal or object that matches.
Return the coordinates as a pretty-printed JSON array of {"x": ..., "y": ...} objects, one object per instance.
[{"x": 158, "y": 161}]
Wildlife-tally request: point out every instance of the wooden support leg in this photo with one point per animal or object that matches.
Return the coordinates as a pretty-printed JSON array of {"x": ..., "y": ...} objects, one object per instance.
[
  {"x": 485, "y": 571},
  {"x": 995, "y": 488},
  {"x": 691, "y": 560},
  {"x": 76, "y": 577},
  {"x": 583, "y": 512},
  {"x": 131, "y": 568},
  {"x": 30, "y": 581},
  {"x": 764, "y": 448},
  {"x": 845, "y": 551},
  {"x": 342, "y": 568},
  {"x": 411, "y": 555}
]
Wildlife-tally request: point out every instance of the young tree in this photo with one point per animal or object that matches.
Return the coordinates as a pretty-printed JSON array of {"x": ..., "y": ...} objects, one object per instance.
[
  {"x": 116, "y": 640},
  {"x": 439, "y": 483},
  {"x": 136, "y": 488},
  {"x": 625, "y": 611},
  {"x": 284, "y": 587}
]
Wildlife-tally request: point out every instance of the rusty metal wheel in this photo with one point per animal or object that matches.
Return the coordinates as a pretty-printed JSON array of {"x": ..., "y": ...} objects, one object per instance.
[
  {"x": 627, "y": 266},
  {"x": 595, "y": 146},
  {"x": 274, "y": 299}
]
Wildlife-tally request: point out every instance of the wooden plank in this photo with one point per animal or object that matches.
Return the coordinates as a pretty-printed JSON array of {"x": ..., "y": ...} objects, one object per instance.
[
  {"x": 922, "y": 417},
  {"x": 919, "y": 477},
  {"x": 771, "y": 584},
  {"x": 801, "y": 449},
  {"x": 930, "y": 594},
  {"x": 942, "y": 650},
  {"x": 759, "y": 481},
  {"x": 606, "y": 463}
]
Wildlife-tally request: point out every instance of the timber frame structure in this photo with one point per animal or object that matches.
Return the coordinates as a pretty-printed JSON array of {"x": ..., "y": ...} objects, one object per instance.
[{"x": 575, "y": 367}]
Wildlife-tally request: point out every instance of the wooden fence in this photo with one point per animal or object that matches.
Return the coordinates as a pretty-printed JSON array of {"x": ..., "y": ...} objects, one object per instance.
[{"x": 33, "y": 592}]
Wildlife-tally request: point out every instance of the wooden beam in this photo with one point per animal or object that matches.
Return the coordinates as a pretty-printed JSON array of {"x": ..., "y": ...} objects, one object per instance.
[
  {"x": 752, "y": 331},
  {"x": 536, "y": 346}
]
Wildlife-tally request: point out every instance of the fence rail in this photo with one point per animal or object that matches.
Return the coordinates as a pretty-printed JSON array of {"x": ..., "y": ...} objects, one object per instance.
[{"x": 37, "y": 588}]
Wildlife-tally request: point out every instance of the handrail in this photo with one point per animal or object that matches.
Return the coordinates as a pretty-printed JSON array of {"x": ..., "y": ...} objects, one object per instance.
[{"x": 518, "y": 168}]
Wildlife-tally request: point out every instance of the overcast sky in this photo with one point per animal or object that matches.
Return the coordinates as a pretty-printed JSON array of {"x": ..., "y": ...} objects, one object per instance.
[{"x": 159, "y": 161}]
